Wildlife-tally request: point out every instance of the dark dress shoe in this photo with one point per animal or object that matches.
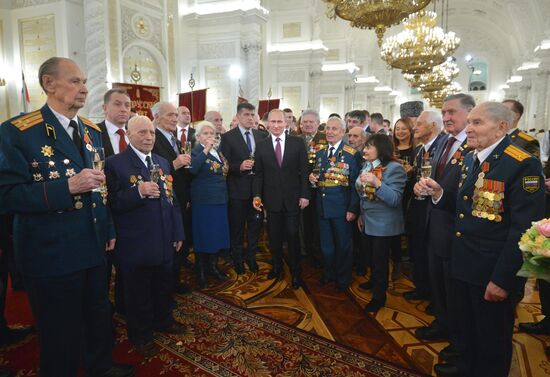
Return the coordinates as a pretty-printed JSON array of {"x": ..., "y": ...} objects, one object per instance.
[
  {"x": 239, "y": 267},
  {"x": 252, "y": 265},
  {"x": 147, "y": 350},
  {"x": 536, "y": 328},
  {"x": 446, "y": 370},
  {"x": 175, "y": 328},
  {"x": 414, "y": 295},
  {"x": 449, "y": 354},
  {"x": 296, "y": 282},
  {"x": 431, "y": 333},
  {"x": 183, "y": 289},
  {"x": 374, "y": 306},
  {"x": 275, "y": 274},
  {"x": 324, "y": 281},
  {"x": 366, "y": 285},
  {"x": 9, "y": 336}
]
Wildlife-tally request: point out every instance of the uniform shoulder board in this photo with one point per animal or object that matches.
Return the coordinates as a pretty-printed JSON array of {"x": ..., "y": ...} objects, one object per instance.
[
  {"x": 90, "y": 124},
  {"x": 349, "y": 149},
  {"x": 525, "y": 136},
  {"x": 516, "y": 153},
  {"x": 27, "y": 121}
]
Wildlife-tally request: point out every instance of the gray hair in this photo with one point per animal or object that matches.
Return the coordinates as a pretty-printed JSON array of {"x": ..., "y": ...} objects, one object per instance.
[
  {"x": 466, "y": 101},
  {"x": 433, "y": 116},
  {"x": 339, "y": 120},
  {"x": 202, "y": 125},
  {"x": 312, "y": 112},
  {"x": 155, "y": 109},
  {"x": 49, "y": 67},
  {"x": 498, "y": 112}
]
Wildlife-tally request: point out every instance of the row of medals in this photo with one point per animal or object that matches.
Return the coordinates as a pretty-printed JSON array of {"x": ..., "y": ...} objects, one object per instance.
[{"x": 486, "y": 204}]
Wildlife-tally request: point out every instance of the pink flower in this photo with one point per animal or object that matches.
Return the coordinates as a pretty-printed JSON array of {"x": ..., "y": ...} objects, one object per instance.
[{"x": 544, "y": 228}]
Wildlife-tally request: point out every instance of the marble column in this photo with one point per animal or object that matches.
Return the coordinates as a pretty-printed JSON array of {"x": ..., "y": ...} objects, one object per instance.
[
  {"x": 315, "y": 89},
  {"x": 253, "y": 52},
  {"x": 96, "y": 57},
  {"x": 541, "y": 87}
]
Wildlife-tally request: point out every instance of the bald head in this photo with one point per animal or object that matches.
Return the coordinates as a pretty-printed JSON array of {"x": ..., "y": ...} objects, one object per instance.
[
  {"x": 216, "y": 119},
  {"x": 184, "y": 116},
  {"x": 141, "y": 133}
]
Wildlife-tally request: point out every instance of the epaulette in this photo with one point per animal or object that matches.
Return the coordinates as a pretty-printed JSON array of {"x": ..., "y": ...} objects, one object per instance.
[
  {"x": 27, "y": 121},
  {"x": 90, "y": 124},
  {"x": 525, "y": 136},
  {"x": 516, "y": 153},
  {"x": 349, "y": 149}
]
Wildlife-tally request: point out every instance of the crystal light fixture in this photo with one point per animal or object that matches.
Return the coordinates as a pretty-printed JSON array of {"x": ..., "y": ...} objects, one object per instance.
[
  {"x": 436, "y": 98},
  {"x": 439, "y": 77}
]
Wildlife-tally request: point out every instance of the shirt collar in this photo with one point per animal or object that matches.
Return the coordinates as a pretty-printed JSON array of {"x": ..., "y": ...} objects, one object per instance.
[
  {"x": 484, "y": 153},
  {"x": 184, "y": 127},
  {"x": 372, "y": 165},
  {"x": 142, "y": 155},
  {"x": 281, "y": 136},
  {"x": 461, "y": 136},
  {"x": 112, "y": 128},
  {"x": 243, "y": 130},
  {"x": 167, "y": 134},
  {"x": 63, "y": 119},
  {"x": 336, "y": 146},
  {"x": 429, "y": 143}
]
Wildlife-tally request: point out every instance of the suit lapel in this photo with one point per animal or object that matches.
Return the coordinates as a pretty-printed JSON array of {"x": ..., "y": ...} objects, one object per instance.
[
  {"x": 137, "y": 163},
  {"x": 63, "y": 142}
]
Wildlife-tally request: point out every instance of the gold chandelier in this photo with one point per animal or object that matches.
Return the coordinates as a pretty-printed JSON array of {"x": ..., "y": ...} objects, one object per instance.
[
  {"x": 436, "y": 98},
  {"x": 439, "y": 77},
  {"x": 374, "y": 14},
  {"x": 421, "y": 46}
]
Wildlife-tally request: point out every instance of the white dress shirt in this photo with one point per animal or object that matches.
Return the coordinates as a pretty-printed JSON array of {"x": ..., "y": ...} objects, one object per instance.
[
  {"x": 112, "y": 130},
  {"x": 282, "y": 141},
  {"x": 65, "y": 121}
]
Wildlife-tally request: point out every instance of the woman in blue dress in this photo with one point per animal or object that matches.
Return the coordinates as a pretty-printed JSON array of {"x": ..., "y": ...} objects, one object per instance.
[{"x": 208, "y": 203}]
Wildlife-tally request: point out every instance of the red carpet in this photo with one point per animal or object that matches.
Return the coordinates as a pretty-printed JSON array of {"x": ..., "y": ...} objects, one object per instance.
[{"x": 222, "y": 340}]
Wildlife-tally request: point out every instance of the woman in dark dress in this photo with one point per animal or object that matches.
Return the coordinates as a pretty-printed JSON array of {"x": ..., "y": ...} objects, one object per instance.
[{"x": 208, "y": 203}]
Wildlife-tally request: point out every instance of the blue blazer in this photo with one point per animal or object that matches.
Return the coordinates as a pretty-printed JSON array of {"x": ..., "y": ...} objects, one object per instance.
[
  {"x": 146, "y": 228},
  {"x": 208, "y": 185},
  {"x": 384, "y": 216},
  {"x": 53, "y": 234}
]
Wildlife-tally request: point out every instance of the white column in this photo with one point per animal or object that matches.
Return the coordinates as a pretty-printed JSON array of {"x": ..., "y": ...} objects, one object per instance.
[
  {"x": 96, "y": 57},
  {"x": 541, "y": 87},
  {"x": 253, "y": 51},
  {"x": 315, "y": 89}
]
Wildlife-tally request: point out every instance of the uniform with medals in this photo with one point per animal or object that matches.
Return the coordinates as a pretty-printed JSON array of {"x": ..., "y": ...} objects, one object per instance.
[
  {"x": 59, "y": 238},
  {"x": 496, "y": 202},
  {"x": 335, "y": 197}
]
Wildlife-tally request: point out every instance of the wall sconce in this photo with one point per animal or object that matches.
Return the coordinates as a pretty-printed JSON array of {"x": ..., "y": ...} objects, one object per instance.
[{"x": 2, "y": 81}]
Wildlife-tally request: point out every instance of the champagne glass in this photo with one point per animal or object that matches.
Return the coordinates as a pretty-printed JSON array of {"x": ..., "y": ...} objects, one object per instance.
[
  {"x": 364, "y": 185},
  {"x": 98, "y": 162},
  {"x": 258, "y": 203},
  {"x": 406, "y": 160},
  {"x": 316, "y": 173},
  {"x": 251, "y": 158},
  {"x": 154, "y": 173},
  {"x": 425, "y": 172},
  {"x": 187, "y": 147}
]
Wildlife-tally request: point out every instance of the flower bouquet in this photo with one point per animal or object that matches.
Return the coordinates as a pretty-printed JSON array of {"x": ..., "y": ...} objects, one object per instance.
[{"x": 535, "y": 245}]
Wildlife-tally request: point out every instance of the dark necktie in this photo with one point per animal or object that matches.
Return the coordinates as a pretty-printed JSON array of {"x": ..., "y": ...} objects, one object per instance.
[
  {"x": 331, "y": 152},
  {"x": 173, "y": 142},
  {"x": 248, "y": 141},
  {"x": 122, "y": 140},
  {"x": 278, "y": 152},
  {"x": 77, "y": 140},
  {"x": 149, "y": 162},
  {"x": 476, "y": 164},
  {"x": 444, "y": 157}
]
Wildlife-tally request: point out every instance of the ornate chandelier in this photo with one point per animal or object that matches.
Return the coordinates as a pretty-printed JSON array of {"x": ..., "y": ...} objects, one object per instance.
[
  {"x": 436, "y": 98},
  {"x": 439, "y": 77},
  {"x": 374, "y": 14},
  {"x": 421, "y": 46}
]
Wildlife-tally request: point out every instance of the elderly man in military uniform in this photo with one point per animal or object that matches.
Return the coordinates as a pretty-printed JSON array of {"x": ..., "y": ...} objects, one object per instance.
[
  {"x": 61, "y": 227},
  {"x": 337, "y": 204},
  {"x": 500, "y": 193},
  {"x": 520, "y": 138}
]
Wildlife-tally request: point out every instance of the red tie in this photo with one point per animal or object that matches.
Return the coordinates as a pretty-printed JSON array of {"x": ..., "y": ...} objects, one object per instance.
[
  {"x": 122, "y": 140},
  {"x": 183, "y": 139},
  {"x": 443, "y": 160}
]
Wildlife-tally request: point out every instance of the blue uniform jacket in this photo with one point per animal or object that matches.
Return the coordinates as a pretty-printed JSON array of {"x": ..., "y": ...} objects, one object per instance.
[
  {"x": 208, "y": 185},
  {"x": 486, "y": 250},
  {"x": 146, "y": 228},
  {"x": 384, "y": 216},
  {"x": 55, "y": 233},
  {"x": 333, "y": 198}
]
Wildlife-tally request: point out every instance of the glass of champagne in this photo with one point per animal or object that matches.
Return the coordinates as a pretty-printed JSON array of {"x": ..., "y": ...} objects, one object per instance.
[
  {"x": 258, "y": 203},
  {"x": 251, "y": 158},
  {"x": 98, "y": 161},
  {"x": 364, "y": 185},
  {"x": 187, "y": 147},
  {"x": 316, "y": 172},
  {"x": 425, "y": 172},
  {"x": 154, "y": 173},
  {"x": 406, "y": 160}
]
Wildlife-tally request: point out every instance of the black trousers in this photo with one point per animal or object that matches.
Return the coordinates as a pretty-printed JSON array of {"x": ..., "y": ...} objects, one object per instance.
[
  {"x": 484, "y": 331},
  {"x": 418, "y": 251},
  {"x": 284, "y": 225},
  {"x": 241, "y": 214},
  {"x": 440, "y": 277},
  {"x": 310, "y": 225},
  {"x": 71, "y": 311},
  {"x": 178, "y": 257},
  {"x": 544, "y": 293},
  {"x": 148, "y": 297},
  {"x": 379, "y": 249}
]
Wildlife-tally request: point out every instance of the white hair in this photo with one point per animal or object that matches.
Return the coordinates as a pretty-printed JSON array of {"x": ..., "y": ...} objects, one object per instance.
[
  {"x": 155, "y": 109},
  {"x": 202, "y": 125},
  {"x": 433, "y": 116},
  {"x": 339, "y": 120}
]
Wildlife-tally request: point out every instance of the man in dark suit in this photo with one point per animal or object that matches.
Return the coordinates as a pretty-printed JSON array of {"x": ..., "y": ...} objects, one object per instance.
[
  {"x": 427, "y": 131},
  {"x": 501, "y": 191},
  {"x": 281, "y": 186},
  {"x": 520, "y": 138},
  {"x": 61, "y": 228},
  {"x": 168, "y": 146},
  {"x": 116, "y": 106},
  {"x": 238, "y": 146},
  {"x": 149, "y": 229},
  {"x": 440, "y": 223},
  {"x": 185, "y": 133}
]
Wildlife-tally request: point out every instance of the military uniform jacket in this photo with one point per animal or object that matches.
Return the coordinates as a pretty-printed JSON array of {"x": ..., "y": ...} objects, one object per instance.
[
  {"x": 336, "y": 194},
  {"x": 526, "y": 141},
  {"x": 55, "y": 233},
  {"x": 146, "y": 227},
  {"x": 495, "y": 204}
]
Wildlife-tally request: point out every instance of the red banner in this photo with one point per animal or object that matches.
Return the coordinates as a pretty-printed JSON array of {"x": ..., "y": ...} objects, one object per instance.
[
  {"x": 195, "y": 101},
  {"x": 143, "y": 97},
  {"x": 266, "y": 105}
]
